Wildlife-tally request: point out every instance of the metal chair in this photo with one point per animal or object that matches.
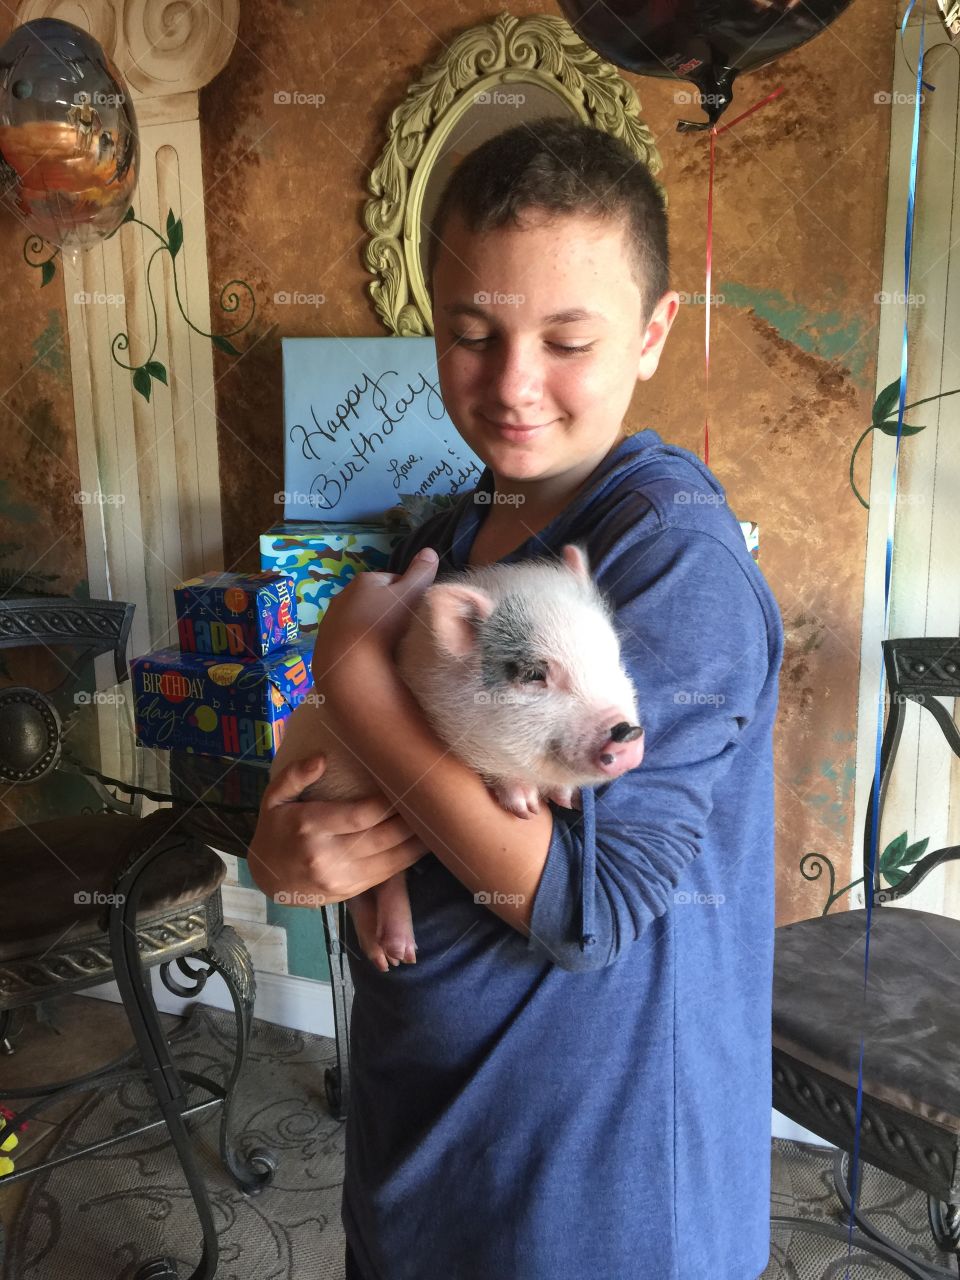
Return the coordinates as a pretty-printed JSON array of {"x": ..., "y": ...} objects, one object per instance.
[
  {"x": 910, "y": 1125},
  {"x": 112, "y": 894}
]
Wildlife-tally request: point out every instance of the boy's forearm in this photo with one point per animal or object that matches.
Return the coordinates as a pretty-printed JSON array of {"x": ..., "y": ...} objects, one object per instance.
[{"x": 489, "y": 850}]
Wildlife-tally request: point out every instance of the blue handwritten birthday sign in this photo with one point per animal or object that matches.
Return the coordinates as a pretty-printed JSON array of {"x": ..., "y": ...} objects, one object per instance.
[{"x": 364, "y": 422}]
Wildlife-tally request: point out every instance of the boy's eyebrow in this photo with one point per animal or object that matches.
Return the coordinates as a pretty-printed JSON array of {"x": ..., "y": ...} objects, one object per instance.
[{"x": 571, "y": 316}]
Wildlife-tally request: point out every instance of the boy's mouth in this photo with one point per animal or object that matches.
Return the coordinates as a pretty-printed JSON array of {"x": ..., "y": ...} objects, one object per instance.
[{"x": 521, "y": 431}]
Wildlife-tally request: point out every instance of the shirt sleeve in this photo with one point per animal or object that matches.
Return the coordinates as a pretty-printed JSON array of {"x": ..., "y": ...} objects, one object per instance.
[{"x": 694, "y": 640}]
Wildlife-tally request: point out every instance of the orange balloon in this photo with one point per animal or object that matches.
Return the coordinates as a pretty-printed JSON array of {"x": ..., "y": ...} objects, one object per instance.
[{"x": 68, "y": 134}]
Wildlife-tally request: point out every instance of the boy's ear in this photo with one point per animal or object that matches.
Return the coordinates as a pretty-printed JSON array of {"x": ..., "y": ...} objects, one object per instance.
[{"x": 655, "y": 334}]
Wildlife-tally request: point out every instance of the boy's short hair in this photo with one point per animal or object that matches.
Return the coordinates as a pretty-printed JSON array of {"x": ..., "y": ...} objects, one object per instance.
[{"x": 561, "y": 166}]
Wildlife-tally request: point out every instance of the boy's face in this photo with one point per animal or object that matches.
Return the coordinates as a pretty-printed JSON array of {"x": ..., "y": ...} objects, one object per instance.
[{"x": 508, "y": 359}]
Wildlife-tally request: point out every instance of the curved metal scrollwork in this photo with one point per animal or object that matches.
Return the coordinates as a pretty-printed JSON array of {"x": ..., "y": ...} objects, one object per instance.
[{"x": 198, "y": 975}]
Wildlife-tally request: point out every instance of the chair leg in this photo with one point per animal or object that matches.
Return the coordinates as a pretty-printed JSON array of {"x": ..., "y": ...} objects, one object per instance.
[
  {"x": 5, "y": 1017},
  {"x": 929, "y": 1269},
  {"x": 137, "y": 995},
  {"x": 945, "y": 1224},
  {"x": 227, "y": 953},
  {"x": 337, "y": 1079}
]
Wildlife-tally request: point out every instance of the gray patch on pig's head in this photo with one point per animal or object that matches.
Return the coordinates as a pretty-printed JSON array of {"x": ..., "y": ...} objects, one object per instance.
[{"x": 507, "y": 645}]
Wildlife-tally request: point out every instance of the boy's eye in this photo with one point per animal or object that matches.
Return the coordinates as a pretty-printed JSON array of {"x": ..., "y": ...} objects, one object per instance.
[{"x": 562, "y": 349}]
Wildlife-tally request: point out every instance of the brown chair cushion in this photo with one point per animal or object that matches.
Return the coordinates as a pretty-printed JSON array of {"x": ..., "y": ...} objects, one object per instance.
[
  {"x": 55, "y": 876},
  {"x": 910, "y": 1023}
]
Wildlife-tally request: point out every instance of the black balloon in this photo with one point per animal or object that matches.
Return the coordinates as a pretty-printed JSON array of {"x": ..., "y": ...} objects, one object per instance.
[{"x": 709, "y": 42}]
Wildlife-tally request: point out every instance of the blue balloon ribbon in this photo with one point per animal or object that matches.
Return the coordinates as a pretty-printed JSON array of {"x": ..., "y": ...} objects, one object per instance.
[{"x": 907, "y": 256}]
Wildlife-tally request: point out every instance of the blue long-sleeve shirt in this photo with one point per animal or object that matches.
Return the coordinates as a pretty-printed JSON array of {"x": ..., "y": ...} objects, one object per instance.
[{"x": 594, "y": 1101}]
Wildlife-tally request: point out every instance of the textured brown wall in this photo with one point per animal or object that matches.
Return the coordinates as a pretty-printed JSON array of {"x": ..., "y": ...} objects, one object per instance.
[{"x": 798, "y": 243}]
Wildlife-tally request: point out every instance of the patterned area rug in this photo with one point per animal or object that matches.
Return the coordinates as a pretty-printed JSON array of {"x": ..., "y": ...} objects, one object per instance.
[
  {"x": 802, "y": 1187},
  {"x": 101, "y": 1217}
]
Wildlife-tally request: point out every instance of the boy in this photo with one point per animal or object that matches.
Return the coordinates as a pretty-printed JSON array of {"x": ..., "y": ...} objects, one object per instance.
[{"x": 574, "y": 1078}]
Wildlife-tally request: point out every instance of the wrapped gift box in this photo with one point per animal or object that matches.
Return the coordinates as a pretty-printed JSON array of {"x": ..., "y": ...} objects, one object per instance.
[
  {"x": 237, "y": 615},
  {"x": 323, "y": 558},
  {"x": 222, "y": 708}
]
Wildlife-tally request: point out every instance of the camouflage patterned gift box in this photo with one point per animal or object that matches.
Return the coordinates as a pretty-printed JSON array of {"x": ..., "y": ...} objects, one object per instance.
[{"x": 323, "y": 558}]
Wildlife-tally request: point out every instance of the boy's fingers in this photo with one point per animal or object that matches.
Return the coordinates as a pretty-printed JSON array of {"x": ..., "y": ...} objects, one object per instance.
[
  {"x": 422, "y": 569},
  {"x": 290, "y": 781},
  {"x": 389, "y": 834},
  {"x": 382, "y": 866}
]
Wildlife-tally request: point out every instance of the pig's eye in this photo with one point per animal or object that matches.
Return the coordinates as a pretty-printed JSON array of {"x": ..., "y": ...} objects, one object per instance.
[{"x": 526, "y": 673}]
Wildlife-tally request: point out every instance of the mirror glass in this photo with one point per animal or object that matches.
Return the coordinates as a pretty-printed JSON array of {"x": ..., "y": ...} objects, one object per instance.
[{"x": 492, "y": 112}]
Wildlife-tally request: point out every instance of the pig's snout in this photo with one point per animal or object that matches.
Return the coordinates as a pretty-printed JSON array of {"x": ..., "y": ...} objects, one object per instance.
[{"x": 623, "y": 751}]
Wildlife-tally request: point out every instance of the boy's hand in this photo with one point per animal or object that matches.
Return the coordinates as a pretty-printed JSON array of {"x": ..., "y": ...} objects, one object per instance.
[
  {"x": 371, "y": 614},
  {"x": 325, "y": 850}
]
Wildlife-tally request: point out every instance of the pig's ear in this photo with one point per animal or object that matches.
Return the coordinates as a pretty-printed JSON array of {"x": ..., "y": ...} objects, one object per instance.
[
  {"x": 575, "y": 558},
  {"x": 455, "y": 613}
]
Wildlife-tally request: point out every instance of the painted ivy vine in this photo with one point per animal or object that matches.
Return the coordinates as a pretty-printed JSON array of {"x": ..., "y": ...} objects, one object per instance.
[
  {"x": 894, "y": 864},
  {"x": 887, "y": 403},
  {"x": 151, "y": 370}
]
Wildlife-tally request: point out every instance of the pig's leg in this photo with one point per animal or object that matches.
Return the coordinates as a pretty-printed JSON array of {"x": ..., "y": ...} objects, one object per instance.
[
  {"x": 363, "y": 911},
  {"x": 565, "y": 797},
  {"x": 394, "y": 920},
  {"x": 517, "y": 797}
]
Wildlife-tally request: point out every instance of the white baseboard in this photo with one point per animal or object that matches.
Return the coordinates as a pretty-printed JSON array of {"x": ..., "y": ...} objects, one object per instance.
[
  {"x": 288, "y": 1001},
  {"x": 784, "y": 1128}
]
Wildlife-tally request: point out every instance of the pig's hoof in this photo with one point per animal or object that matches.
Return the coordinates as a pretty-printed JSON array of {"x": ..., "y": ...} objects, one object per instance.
[
  {"x": 518, "y": 798},
  {"x": 399, "y": 949},
  {"x": 565, "y": 797}
]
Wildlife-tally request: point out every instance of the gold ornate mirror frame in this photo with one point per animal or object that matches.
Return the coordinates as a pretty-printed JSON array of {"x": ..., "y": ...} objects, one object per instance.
[{"x": 483, "y": 67}]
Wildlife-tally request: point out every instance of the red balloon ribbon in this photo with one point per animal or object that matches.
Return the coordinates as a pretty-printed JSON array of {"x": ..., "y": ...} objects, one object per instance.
[{"x": 714, "y": 134}]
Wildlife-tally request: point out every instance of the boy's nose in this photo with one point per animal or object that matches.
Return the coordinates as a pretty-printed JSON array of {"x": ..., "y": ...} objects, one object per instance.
[{"x": 517, "y": 382}]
